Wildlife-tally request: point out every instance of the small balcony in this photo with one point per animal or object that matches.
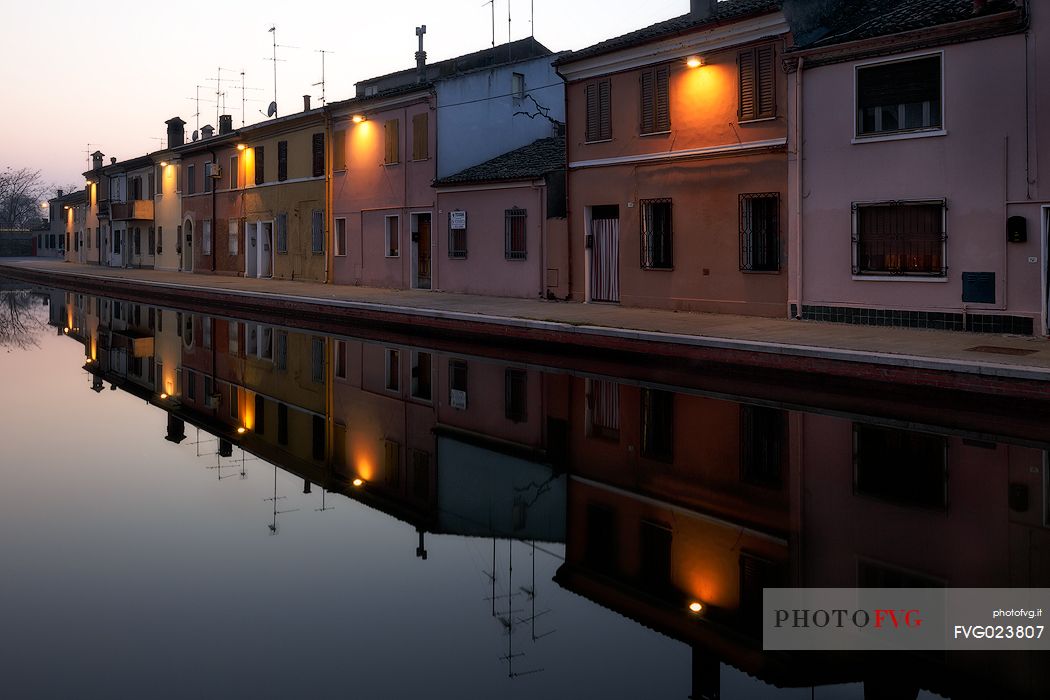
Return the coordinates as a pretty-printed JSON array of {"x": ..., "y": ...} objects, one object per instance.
[{"x": 135, "y": 210}]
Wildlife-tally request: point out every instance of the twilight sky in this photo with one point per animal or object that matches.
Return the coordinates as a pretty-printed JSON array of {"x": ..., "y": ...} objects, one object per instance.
[{"x": 110, "y": 74}]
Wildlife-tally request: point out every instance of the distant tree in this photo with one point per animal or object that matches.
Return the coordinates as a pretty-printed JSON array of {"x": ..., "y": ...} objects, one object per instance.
[
  {"x": 21, "y": 192},
  {"x": 19, "y": 323}
]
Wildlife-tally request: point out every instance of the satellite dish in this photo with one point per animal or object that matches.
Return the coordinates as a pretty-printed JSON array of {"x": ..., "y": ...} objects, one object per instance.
[
  {"x": 194, "y": 134},
  {"x": 272, "y": 109}
]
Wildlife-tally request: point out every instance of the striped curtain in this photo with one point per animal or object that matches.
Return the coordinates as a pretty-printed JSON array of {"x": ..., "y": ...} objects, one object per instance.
[
  {"x": 604, "y": 403},
  {"x": 605, "y": 260}
]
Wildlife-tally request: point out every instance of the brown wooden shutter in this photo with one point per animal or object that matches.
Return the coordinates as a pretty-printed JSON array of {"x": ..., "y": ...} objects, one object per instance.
[
  {"x": 318, "y": 154},
  {"x": 393, "y": 131},
  {"x": 282, "y": 160},
  {"x": 592, "y": 112},
  {"x": 420, "y": 137},
  {"x": 260, "y": 162},
  {"x": 339, "y": 151},
  {"x": 605, "y": 110},
  {"x": 663, "y": 99},
  {"x": 766, "y": 83},
  {"x": 746, "y": 62},
  {"x": 647, "y": 79}
]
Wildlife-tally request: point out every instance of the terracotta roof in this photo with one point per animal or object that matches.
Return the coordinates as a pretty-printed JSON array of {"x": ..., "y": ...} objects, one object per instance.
[
  {"x": 725, "y": 10},
  {"x": 841, "y": 21},
  {"x": 525, "y": 163}
]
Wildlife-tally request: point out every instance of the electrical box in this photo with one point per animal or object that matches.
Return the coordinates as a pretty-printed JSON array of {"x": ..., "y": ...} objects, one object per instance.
[{"x": 978, "y": 287}]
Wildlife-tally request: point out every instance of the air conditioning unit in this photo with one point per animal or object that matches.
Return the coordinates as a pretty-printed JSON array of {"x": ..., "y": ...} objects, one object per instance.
[
  {"x": 212, "y": 401},
  {"x": 213, "y": 170},
  {"x": 458, "y": 399}
]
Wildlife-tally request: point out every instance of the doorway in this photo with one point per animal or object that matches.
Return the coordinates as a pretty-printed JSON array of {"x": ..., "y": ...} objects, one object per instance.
[
  {"x": 117, "y": 257},
  {"x": 251, "y": 249},
  {"x": 1046, "y": 269},
  {"x": 266, "y": 249},
  {"x": 187, "y": 247},
  {"x": 603, "y": 241},
  {"x": 421, "y": 264}
]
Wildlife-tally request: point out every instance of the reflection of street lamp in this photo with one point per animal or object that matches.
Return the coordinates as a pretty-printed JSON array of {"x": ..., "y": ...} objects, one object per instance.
[
  {"x": 241, "y": 430},
  {"x": 359, "y": 482},
  {"x": 696, "y": 607}
]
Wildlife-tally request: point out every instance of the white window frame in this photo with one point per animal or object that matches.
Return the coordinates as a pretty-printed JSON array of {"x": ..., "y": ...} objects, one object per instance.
[{"x": 877, "y": 136}]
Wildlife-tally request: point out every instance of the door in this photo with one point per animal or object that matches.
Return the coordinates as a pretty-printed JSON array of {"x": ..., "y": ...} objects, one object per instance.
[
  {"x": 187, "y": 247},
  {"x": 266, "y": 249},
  {"x": 251, "y": 250},
  {"x": 117, "y": 259},
  {"x": 421, "y": 250},
  {"x": 1046, "y": 270},
  {"x": 605, "y": 254}
]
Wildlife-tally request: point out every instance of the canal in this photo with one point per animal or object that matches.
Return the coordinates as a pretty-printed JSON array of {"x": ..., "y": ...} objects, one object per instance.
[{"x": 197, "y": 504}]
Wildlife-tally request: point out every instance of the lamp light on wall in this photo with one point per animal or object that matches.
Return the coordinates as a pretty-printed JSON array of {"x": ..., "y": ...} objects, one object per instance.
[
  {"x": 358, "y": 118},
  {"x": 694, "y": 61}
]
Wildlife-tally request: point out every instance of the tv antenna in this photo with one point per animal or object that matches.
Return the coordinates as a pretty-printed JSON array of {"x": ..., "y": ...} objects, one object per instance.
[
  {"x": 88, "y": 152},
  {"x": 272, "y": 109},
  {"x": 492, "y": 4},
  {"x": 244, "y": 96},
  {"x": 323, "y": 53},
  {"x": 220, "y": 96}
]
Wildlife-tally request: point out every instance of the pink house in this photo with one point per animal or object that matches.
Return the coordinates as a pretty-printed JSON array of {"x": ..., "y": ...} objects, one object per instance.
[{"x": 916, "y": 196}]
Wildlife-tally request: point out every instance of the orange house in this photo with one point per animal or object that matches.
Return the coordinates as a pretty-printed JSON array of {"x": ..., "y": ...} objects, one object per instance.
[{"x": 677, "y": 158}]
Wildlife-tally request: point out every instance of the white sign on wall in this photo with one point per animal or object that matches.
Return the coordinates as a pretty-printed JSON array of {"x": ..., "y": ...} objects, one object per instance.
[{"x": 457, "y": 220}]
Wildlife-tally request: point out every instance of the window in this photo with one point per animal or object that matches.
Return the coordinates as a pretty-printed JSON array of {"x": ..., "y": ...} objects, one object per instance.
[
  {"x": 208, "y": 387},
  {"x": 899, "y": 238},
  {"x": 599, "y": 110},
  {"x": 602, "y": 548},
  {"x": 206, "y": 237},
  {"x": 603, "y": 409},
  {"x": 515, "y": 395},
  {"x": 260, "y": 165},
  {"x": 654, "y": 557},
  {"x": 317, "y": 360},
  {"x": 317, "y": 231},
  {"x": 340, "y": 237},
  {"x": 281, "y": 357},
  {"x": 421, "y": 375},
  {"x": 234, "y": 336},
  {"x": 657, "y": 243},
  {"x": 282, "y": 232},
  {"x": 340, "y": 359},
  {"x": 758, "y": 98},
  {"x": 761, "y": 445},
  {"x": 234, "y": 401},
  {"x": 138, "y": 240},
  {"x": 457, "y": 384},
  {"x": 282, "y": 161},
  {"x": 339, "y": 150},
  {"x": 234, "y": 173},
  {"x": 393, "y": 237},
  {"x": 151, "y": 240},
  {"x": 233, "y": 235},
  {"x": 151, "y": 187},
  {"x": 392, "y": 462},
  {"x": 421, "y": 136},
  {"x": 209, "y": 180},
  {"x": 191, "y": 385},
  {"x": 517, "y": 86},
  {"x": 760, "y": 232},
  {"x": 318, "y": 437},
  {"x": 317, "y": 154},
  {"x": 117, "y": 236},
  {"x": 191, "y": 179},
  {"x": 658, "y": 425},
  {"x": 393, "y": 370},
  {"x": 282, "y": 424},
  {"x": 656, "y": 104},
  {"x": 457, "y": 234},
  {"x": 901, "y": 466},
  {"x": 206, "y": 332},
  {"x": 392, "y": 133},
  {"x": 514, "y": 233},
  {"x": 899, "y": 96},
  {"x": 260, "y": 414}
]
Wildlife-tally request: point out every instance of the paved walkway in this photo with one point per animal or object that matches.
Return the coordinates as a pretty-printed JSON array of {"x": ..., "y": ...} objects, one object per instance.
[{"x": 946, "y": 350}]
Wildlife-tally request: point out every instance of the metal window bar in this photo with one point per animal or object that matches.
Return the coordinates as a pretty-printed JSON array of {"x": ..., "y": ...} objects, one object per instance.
[
  {"x": 900, "y": 238},
  {"x": 760, "y": 232},
  {"x": 515, "y": 234},
  {"x": 656, "y": 234}
]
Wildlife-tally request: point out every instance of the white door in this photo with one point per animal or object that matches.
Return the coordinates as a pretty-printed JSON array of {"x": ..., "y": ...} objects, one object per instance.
[
  {"x": 266, "y": 249},
  {"x": 117, "y": 258},
  {"x": 251, "y": 250}
]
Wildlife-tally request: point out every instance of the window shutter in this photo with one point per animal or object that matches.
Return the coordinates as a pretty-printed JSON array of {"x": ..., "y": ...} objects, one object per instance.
[
  {"x": 746, "y": 61},
  {"x": 339, "y": 151},
  {"x": 767, "y": 99},
  {"x": 420, "y": 137},
  {"x": 592, "y": 112},
  {"x": 393, "y": 152},
  {"x": 648, "y": 92},
  {"x": 318, "y": 154},
  {"x": 260, "y": 162},
  {"x": 663, "y": 99},
  {"x": 605, "y": 110},
  {"x": 282, "y": 160}
]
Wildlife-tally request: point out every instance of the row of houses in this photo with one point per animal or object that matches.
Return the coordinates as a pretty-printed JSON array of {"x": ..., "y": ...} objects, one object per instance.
[
  {"x": 841, "y": 161},
  {"x": 652, "y": 519}
]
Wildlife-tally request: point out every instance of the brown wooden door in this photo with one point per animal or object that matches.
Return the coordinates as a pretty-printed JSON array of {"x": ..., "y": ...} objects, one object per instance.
[{"x": 422, "y": 246}]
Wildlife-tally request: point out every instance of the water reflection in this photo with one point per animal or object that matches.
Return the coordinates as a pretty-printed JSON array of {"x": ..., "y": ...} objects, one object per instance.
[{"x": 674, "y": 506}]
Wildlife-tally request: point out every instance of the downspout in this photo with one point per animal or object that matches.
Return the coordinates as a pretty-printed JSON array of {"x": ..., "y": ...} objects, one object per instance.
[
  {"x": 214, "y": 184},
  {"x": 568, "y": 199},
  {"x": 329, "y": 214},
  {"x": 797, "y": 252}
]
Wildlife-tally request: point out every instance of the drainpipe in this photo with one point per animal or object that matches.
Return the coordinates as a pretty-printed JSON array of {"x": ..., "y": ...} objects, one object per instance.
[
  {"x": 214, "y": 184},
  {"x": 329, "y": 214},
  {"x": 797, "y": 252}
]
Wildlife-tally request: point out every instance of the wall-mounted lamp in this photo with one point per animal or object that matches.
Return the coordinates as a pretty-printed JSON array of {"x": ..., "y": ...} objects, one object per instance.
[
  {"x": 358, "y": 118},
  {"x": 241, "y": 147},
  {"x": 164, "y": 164},
  {"x": 241, "y": 430},
  {"x": 359, "y": 482},
  {"x": 694, "y": 61},
  {"x": 696, "y": 607}
]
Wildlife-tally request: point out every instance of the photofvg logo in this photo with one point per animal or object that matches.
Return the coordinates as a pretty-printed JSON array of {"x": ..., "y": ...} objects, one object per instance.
[{"x": 869, "y": 619}]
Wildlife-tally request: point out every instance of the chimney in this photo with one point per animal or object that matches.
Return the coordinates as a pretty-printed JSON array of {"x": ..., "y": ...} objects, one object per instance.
[
  {"x": 701, "y": 9},
  {"x": 112, "y": 160},
  {"x": 176, "y": 132},
  {"x": 225, "y": 124},
  {"x": 421, "y": 56},
  {"x": 306, "y": 103},
  {"x": 96, "y": 160},
  {"x": 206, "y": 131},
  {"x": 60, "y": 193}
]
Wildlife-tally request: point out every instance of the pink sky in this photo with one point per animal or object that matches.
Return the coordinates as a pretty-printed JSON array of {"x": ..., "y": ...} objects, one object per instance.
[{"x": 110, "y": 74}]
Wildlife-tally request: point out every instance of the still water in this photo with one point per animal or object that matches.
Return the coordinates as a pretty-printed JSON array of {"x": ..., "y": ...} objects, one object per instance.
[{"x": 208, "y": 506}]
